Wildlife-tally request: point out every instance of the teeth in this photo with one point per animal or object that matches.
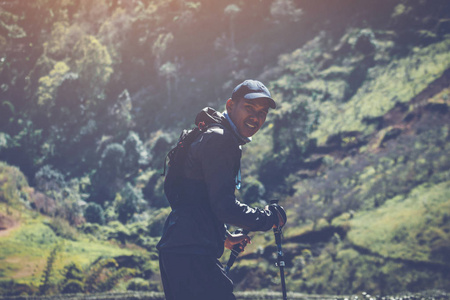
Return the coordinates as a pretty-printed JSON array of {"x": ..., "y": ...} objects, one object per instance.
[{"x": 250, "y": 125}]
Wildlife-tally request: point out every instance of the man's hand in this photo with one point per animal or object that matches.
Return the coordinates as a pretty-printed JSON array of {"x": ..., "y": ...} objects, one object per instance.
[
  {"x": 237, "y": 239},
  {"x": 279, "y": 211}
]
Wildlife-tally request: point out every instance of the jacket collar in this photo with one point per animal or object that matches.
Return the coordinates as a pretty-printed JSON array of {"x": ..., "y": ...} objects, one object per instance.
[{"x": 242, "y": 139}]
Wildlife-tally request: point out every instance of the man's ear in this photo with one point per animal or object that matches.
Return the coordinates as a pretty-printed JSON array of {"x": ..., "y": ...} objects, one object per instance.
[{"x": 229, "y": 105}]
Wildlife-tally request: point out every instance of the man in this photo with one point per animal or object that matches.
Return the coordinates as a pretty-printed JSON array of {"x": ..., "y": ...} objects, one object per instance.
[{"x": 195, "y": 233}]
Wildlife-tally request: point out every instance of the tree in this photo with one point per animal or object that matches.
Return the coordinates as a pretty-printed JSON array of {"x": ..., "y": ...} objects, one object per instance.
[
  {"x": 231, "y": 11},
  {"x": 113, "y": 32},
  {"x": 285, "y": 10},
  {"x": 50, "y": 181},
  {"x": 135, "y": 154},
  {"x": 48, "y": 271},
  {"x": 49, "y": 84},
  {"x": 121, "y": 113},
  {"x": 169, "y": 71},
  {"x": 93, "y": 63},
  {"x": 103, "y": 275},
  {"x": 73, "y": 279},
  {"x": 160, "y": 47},
  {"x": 128, "y": 204},
  {"x": 94, "y": 214},
  {"x": 253, "y": 191},
  {"x": 108, "y": 178},
  {"x": 292, "y": 127}
]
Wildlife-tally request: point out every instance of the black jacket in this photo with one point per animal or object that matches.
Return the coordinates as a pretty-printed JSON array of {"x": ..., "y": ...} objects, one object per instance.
[{"x": 197, "y": 224}]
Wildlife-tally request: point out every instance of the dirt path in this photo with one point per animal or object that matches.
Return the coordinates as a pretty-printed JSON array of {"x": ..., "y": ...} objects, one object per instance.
[{"x": 7, "y": 224}]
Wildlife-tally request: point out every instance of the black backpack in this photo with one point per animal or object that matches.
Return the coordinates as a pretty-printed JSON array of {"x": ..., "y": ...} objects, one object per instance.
[{"x": 206, "y": 119}]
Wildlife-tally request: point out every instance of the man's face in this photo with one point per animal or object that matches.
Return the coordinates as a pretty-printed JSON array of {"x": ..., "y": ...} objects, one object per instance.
[{"x": 248, "y": 115}]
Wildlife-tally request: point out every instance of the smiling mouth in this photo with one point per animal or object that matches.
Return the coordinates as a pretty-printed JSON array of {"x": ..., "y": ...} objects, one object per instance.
[{"x": 251, "y": 125}]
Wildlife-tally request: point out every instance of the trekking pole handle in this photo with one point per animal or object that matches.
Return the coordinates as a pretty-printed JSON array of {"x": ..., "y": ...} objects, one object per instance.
[
  {"x": 280, "y": 259},
  {"x": 235, "y": 251}
]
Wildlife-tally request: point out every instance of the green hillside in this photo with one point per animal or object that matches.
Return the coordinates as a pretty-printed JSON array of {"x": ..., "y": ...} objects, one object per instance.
[{"x": 94, "y": 93}]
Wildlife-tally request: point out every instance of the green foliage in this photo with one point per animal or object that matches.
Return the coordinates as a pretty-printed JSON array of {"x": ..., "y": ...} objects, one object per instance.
[
  {"x": 103, "y": 275},
  {"x": 138, "y": 284},
  {"x": 94, "y": 65},
  {"x": 128, "y": 205},
  {"x": 13, "y": 185},
  {"x": 253, "y": 191},
  {"x": 49, "y": 84},
  {"x": 160, "y": 46},
  {"x": 73, "y": 271},
  {"x": 112, "y": 158},
  {"x": 153, "y": 188},
  {"x": 160, "y": 143},
  {"x": 105, "y": 74},
  {"x": 113, "y": 33},
  {"x": 62, "y": 228},
  {"x": 93, "y": 279},
  {"x": 26, "y": 250},
  {"x": 368, "y": 181},
  {"x": 73, "y": 279},
  {"x": 72, "y": 287},
  {"x": 24, "y": 146},
  {"x": 106, "y": 180},
  {"x": 380, "y": 94},
  {"x": 118, "y": 231},
  {"x": 292, "y": 126},
  {"x": 62, "y": 39},
  {"x": 10, "y": 287},
  {"x": 412, "y": 227},
  {"x": 49, "y": 181},
  {"x": 65, "y": 195},
  {"x": 341, "y": 268},
  {"x": 114, "y": 278},
  {"x": 136, "y": 155},
  {"x": 46, "y": 285},
  {"x": 285, "y": 11},
  {"x": 94, "y": 214},
  {"x": 156, "y": 223},
  {"x": 8, "y": 23}
]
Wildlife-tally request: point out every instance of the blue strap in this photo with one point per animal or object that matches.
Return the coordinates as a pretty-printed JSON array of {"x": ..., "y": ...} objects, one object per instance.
[{"x": 238, "y": 179}]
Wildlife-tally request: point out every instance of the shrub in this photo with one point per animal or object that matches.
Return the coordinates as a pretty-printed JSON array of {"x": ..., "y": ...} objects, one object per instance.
[
  {"x": 108, "y": 178},
  {"x": 73, "y": 287},
  {"x": 46, "y": 284},
  {"x": 160, "y": 145},
  {"x": 118, "y": 231},
  {"x": 111, "y": 160},
  {"x": 153, "y": 190},
  {"x": 63, "y": 229},
  {"x": 94, "y": 214},
  {"x": 138, "y": 284},
  {"x": 253, "y": 190},
  {"x": 136, "y": 154},
  {"x": 73, "y": 272},
  {"x": 49, "y": 181},
  {"x": 13, "y": 184},
  {"x": 9, "y": 287},
  {"x": 128, "y": 205},
  {"x": 156, "y": 225}
]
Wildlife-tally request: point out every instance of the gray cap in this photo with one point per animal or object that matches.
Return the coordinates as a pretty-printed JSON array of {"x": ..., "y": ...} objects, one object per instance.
[{"x": 252, "y": 89}]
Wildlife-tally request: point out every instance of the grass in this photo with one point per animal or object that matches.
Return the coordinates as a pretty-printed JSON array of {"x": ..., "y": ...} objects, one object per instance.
[
  {"x": 24, "y": 251},
  {"x": 407, "y": 227},
  {"x": 385, "y": 86},
  {"x": 25, "y": 247}
]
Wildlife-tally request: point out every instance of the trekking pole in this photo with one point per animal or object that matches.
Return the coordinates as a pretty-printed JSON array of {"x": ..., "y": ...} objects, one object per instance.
[
  {"x": 234, "y": 252},
  {"x": 280, "y": 260}
]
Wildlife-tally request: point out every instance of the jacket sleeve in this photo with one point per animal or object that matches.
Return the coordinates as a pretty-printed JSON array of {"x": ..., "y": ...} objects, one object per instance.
[{"x": 220, "y": 160}]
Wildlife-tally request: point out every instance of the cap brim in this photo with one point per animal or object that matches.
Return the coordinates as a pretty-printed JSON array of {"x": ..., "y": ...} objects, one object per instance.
[{"x": 251, "y": 96}]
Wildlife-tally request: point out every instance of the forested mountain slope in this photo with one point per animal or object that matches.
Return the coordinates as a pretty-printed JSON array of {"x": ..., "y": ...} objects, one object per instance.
[{"x": 94, "y": 93}]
